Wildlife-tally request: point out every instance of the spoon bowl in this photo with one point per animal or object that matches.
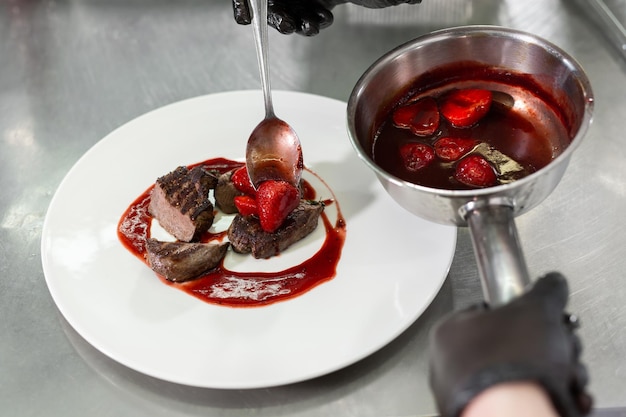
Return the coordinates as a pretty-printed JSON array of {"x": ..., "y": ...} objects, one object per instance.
[{"x": 273, "y": 151}]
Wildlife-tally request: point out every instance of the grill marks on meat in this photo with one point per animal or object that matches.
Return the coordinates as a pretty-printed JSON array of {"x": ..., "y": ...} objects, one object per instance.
[
  {"x": 180, "y": 202},
  {"x": 247, "y": 236},
  {"x": 182, "y": 261}
]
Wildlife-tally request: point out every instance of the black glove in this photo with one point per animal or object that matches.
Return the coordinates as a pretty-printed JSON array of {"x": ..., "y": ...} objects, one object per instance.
[
  {"x": 305, "y": 17},
  {"x": 378, "y": 4},
  {"x": 528, "y": 339}
]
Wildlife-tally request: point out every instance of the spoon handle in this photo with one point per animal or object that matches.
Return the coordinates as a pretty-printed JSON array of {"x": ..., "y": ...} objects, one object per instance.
[{"x": 259, "y": 23}]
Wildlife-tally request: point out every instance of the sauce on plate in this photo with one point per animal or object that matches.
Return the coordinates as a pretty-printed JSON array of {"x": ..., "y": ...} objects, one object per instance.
[{"x": 242, "y": 289}]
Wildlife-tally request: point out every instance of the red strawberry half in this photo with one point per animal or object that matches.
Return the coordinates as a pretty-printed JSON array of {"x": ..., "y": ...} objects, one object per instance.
[
  {"x": 475, "y": 171},
  {"x": 451, "y": 149},
  {"x": 416, "y": 156},
  {"x": 241, "y": 181},
  {"x": 275, "y": 201},
  {"x": 463, "y": 108},
  {"x": 421, "y": 117},
  {"x": 246, "y": 205}
]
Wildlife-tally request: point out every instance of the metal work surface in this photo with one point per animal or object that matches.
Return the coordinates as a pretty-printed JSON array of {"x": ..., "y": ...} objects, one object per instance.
[{"x": 72, "y": 71}]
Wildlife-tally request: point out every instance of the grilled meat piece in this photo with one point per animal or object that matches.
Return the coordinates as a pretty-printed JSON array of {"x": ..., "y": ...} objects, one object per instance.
[
  {"x": 180, "y": 202},
  {"x": 183, "y": 261},
  {"x": 225, "y": 193},
  {"x": 247, "y": 236}
]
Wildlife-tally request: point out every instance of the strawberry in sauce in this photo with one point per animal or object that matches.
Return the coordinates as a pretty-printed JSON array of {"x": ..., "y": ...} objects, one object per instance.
[
  {"x": 465, "y": 107},
  {"x": 475, "y": 171},
  {"x": 421, "y": 117},
  {"x": 416, "y": 156},
  {"x": 451, "y": 149}
]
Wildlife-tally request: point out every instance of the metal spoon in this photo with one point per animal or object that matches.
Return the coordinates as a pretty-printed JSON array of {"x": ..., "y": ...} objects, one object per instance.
[{"x": 273, "y": 151}]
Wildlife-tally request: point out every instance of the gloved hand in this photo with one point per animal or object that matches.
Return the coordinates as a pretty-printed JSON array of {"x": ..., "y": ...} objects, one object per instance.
[
  {"x": 378, "y": 4},
  {"x": 305, "y": 17},
  {"x": 528, "y": 339}
]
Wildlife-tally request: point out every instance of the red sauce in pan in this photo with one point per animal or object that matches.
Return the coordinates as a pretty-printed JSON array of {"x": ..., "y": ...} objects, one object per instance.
[
  {"x": 242, "y": 289},
  {"x": 514, "y": 133}
]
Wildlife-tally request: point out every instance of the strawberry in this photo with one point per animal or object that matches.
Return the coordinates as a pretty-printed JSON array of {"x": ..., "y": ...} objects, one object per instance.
[
  {"x": 416, "y": 155},
  {"x": 463, "y": 108},
  {"x": 421, "y": 117},
  {"x": 246, "y": 205},
  {"x": 241, "y": 181},
  {"x": 451, "y": 149},
  {"x": 475, "y": 171},
  {"x": 275, "y": 201}
]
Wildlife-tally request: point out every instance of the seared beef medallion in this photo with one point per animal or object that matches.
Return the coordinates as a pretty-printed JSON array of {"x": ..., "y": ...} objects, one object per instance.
[
  {"x": 183, "y": 261},
  {"x": 247, "y": 236},
  {"x": 180, "y": 202}
]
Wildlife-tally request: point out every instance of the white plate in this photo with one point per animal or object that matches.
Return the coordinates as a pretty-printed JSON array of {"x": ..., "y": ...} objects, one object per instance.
[{"x": 392, "y": 266}]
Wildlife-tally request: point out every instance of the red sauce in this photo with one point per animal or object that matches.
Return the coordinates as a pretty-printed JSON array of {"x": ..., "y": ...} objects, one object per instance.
[
  {"x": 513, "y": 133},
  {"x": 242, "y": 289}
]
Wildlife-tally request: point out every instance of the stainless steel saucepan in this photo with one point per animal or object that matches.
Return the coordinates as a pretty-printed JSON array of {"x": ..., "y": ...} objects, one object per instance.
[{"x": 488, "y": 212}]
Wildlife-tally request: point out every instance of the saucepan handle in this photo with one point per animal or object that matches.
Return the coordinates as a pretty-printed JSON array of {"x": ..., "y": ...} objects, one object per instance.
[{"x": 503, "y": 272}]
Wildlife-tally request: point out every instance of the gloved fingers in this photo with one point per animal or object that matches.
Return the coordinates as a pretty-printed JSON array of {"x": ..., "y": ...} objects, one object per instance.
[
  {"x": 580, "y": 380},
  {"x": 552, "y": 291},
  {"x": 281, "y": 20},
  {"x": 379, "y": 4},
  {"x": 577, "y": 345},
  {"x": 581, "y": 377},
  {"x": 584, "y": 402},
  {"x": 324, "y": 17},
  {"x": 305, "y": 18},
  {"x": 241, "y": 11},
  {"x": 309, "y": 28}
]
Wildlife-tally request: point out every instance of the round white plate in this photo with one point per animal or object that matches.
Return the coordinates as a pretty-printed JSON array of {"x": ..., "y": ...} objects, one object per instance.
[{"x": 392, "y": 265}]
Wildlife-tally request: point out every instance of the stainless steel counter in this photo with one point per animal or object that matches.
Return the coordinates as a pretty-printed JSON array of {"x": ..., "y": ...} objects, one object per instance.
[{"x": 72, "y": 71}]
